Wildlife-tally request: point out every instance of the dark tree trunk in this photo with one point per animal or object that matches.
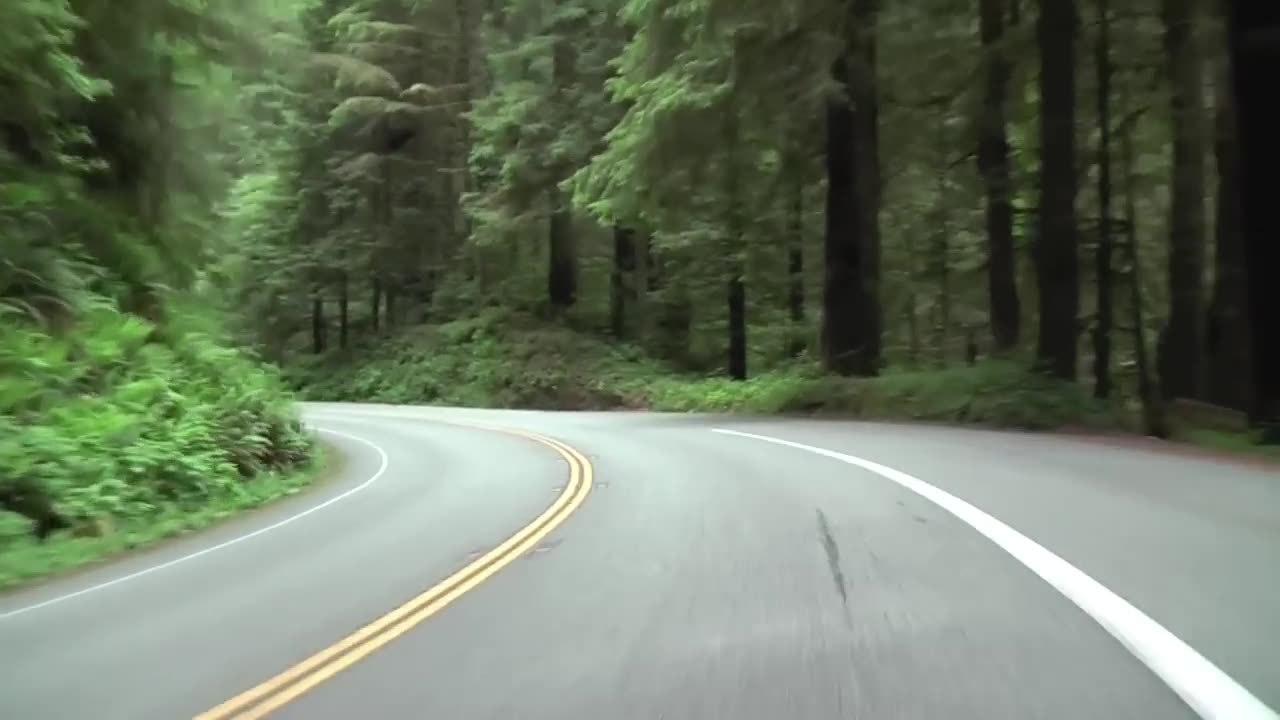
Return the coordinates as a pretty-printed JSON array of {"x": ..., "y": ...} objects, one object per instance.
[
  {"x": 1181, "y": 353},
  {"x": 993, "y": 163},
  {"x": 737, "y": 326},
  {"x": 344, "y": 315},
  {"x": 1227, "y": 332},
  {"x": 652, "y": 265},
  {"x": 795, "y": 177},
  {"x": 562, "y": 274},
  {"x": 735, "y": 250},
  {"x": 1153, "y": 419},
  {"x": 1102, "y": 329},
  {"x": 317, "y": 322},
  {"x": 846, "y": 346},
  {"x": 375, "y": 305},
  {"x": 465, "y": 78},
  {"x": 562, "y": 270},
  {"x": 392, "y": 295},
  {"x": 1255, "y": 53},
  {"x": 866, "y": 158},
  {"x": 1057, "y": 263},
  {"x": 622, "y": 280},
  {"x": 795, "y": 268},
  {"x": 940, "y": 261}
]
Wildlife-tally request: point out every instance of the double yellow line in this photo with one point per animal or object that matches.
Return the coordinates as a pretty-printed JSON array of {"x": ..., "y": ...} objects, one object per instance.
[{"x": 265, "y": 698}]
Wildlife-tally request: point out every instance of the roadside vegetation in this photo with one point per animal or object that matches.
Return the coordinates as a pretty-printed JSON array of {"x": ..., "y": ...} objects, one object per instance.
[
  {"x": 877, "y": 210},
  {"x": 127, "y": 412},
  {"x": 1008, "y": 213}
]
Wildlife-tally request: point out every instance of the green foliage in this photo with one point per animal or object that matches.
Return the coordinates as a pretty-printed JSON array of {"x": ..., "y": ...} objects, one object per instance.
[
  {"x": 493, "y": 359},
  {"x": 118, "y": 404},
  {"x": 498, "y": 359},
  {"x": 108, "y": 419},
  {"x": 24, "y": 558}
]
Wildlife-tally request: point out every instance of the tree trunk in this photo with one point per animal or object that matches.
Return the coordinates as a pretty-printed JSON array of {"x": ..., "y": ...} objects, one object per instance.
[
  {"x": 795, "y": 258},
  {"x": 866, "y": 158},
  {"x": 913, "y": 320},
  {"x": 562, "y": 271},
  {"x": 1102, "y": 329},
  {"x": 466, "y": 51},
  {"x": 846, "y": 346},
  {"x": 344, "y": 315},
  {"x": 1181, "y": 358},
  {"x": 737, "y": 326},
  {"x": 993, "y": 164},
  {"x": 375, "y": 305},
  {"x": 735, "y": 250},
  {"x": 1057, "y": 263},
  {"x": 622, "y": 280},
  {"x": 1153, "y": 419},
  {"x": 562, "y": 274},
  {"x": 1254, "y": 53},
  {"x": 317, "y": 322},
  {"x": 1227, "y": 330},
  {"x": 940, "y": 260}
]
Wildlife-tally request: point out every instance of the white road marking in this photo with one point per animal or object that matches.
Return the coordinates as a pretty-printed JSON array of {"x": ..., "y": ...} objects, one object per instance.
[
  {"x": 1209, "y": 691},
  {"x": 382, "y": 468}
]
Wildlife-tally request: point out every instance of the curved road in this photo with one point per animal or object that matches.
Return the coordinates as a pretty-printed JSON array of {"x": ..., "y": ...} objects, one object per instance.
[{"x": 658, "y": 566}]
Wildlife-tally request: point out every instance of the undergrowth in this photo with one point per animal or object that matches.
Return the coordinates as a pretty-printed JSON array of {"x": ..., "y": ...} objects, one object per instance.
[
  {"x": 112, "y": 421},
  {"x": 502, "y": 359}
]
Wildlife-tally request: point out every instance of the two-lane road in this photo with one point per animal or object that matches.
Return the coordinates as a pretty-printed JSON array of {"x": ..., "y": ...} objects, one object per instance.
[{"x": 490, "y": 564}]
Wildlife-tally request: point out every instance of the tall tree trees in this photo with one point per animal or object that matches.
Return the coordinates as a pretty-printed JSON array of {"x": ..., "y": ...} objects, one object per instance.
[
  {"x": 1102, "y": 259},
  {"x": 1253, "y": 51},
  {"x": 1182, "y": 346},
  {"x": 993, "y": 163},
  {"x": 1057, "y": 262},
  {"x": 1227, "y": 330},
  {"x": 850, "y": 309}
]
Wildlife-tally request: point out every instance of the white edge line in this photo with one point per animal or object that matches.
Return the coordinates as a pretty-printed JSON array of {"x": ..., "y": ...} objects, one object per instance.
[
  {"x": 382, "y": 468},
  {"x": 1209, "y": 691}
]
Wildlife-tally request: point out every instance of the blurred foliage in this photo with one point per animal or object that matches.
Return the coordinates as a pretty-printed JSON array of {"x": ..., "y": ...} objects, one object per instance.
[{"x": 120, "y": 398}]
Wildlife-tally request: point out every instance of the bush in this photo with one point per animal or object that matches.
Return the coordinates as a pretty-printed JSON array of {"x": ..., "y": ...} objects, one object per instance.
[
  {"x": 499, "y": 359},
  {"x": 108, "y": 419}
]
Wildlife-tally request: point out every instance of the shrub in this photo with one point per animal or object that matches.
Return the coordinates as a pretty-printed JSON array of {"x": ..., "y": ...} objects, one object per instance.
[{"x": 107, "y": 420}]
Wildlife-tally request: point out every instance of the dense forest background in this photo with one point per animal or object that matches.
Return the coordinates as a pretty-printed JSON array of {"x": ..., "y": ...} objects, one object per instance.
[{"x": 1003, "y": 211}]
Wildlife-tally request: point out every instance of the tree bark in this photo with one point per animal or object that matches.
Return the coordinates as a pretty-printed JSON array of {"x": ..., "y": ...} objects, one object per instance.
[
  {"x": 1182, "y": 352},
  {"x": 993, "y": 164},
  {"x": 734, "y": 248},
  {"x": 562, "y": 274},
  {"x": 622, "y": 280},
  {"x": 1254, "y": 55},
  {"x": 847, "y": 347},
  {"x": 317, "y": 322},
  {"x": 375, "y": 305},
  {"x": 344, "y": 315},
  {"x": 1057, "y": 263},
  {"x": 1227, "y": 331},
  {"x": 562, "y": 271},
  {"x": 1102, "y": 328},
  {"x": 866, "y": 158},
  {"x": 1153, "y": 418},
  {"x": 795, "y": 267},
  {"x": 794, "y": 210}
]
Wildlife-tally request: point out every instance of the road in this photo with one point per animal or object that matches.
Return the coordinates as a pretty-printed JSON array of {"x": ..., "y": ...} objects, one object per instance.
[{"x": 656, "y": 566}]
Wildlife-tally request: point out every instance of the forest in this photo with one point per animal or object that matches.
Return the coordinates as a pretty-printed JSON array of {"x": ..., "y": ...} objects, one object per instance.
[{"x": 1003, "y": 212}]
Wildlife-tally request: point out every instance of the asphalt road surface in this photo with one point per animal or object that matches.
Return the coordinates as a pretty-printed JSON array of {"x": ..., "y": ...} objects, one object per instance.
[{"x": 627, "y": 565}]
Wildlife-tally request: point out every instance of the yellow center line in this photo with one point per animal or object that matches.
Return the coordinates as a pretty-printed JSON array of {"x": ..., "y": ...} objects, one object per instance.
[{"x": 259, "y": 701}]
